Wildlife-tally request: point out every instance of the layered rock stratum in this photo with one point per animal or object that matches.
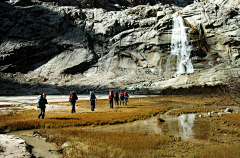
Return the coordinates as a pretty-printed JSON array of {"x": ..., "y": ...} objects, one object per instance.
[{"x": 58, "y": 46}]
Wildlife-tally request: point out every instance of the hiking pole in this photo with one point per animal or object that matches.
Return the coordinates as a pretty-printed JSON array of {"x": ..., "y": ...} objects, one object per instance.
[{"x": 95, "y": 103}]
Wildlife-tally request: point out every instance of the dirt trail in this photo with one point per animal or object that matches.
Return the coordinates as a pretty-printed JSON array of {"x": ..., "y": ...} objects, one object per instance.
[{"x": 38, "y": 148}]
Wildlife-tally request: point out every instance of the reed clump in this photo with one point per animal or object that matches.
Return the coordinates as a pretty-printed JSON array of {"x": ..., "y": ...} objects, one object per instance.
[
  {"x": 233, "y": 119},
  {"x": 105, "y": 144},
  {"x": 219, "y": 151}
]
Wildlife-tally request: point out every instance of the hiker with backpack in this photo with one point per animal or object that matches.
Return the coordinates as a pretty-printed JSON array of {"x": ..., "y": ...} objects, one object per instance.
[
  {"x": 92, "y": 99},
  {"x": 111, "y": 96},
  {"x": 72, "y": 99},
  {"x": 116, "y": 98},
  {"x": 126, "y": 97},
  {"x": 121, "y": 96},
  {"x": 41, "y": 104}
]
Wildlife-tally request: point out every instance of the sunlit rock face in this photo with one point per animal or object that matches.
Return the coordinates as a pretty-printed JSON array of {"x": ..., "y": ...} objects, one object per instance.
[{"x": 130, "y": 46}]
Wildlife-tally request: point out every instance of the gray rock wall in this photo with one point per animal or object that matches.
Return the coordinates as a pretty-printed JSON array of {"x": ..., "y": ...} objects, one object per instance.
[{"x": 63, "y": 46}]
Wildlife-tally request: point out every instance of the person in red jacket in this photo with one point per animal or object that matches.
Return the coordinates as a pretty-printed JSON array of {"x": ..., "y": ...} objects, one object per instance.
[
  {"x": 72, "y": 99},
  {"x": 111, "y": 96},
  {"x": 126, "y": 97}
]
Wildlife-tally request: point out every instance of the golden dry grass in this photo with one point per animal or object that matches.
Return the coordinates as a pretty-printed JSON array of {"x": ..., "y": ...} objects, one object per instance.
[
  {"x": 29, "y": 120},
  {"x": 106, "y": 144},
  {"x": 233, "y": 119},
  {"x": 82, "y": 143},
  {"x": 55, "y": 119},
  {"x": 219, "y": 151}
]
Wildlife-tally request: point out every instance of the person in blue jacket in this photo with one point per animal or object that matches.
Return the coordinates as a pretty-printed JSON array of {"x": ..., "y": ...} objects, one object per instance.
[{"x": 92, "y": 99}]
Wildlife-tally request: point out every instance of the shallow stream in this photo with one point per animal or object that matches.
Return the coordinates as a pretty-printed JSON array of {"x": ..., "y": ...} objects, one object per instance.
[
  {"x": 38, "y": 148},
  {"x": 186, "y": 126}
]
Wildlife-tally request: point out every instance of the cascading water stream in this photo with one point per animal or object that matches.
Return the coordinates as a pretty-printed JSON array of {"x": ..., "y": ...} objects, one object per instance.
[
  {"x": 160, "y": 69},
  {"x": 180, "y": 46},
  {"x": 168, "y": 65}
]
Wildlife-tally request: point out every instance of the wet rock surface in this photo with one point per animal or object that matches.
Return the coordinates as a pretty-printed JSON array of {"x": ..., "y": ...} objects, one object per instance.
[
  {"x": 12, "y": 146},
  {"x": 39, "y": 147}
]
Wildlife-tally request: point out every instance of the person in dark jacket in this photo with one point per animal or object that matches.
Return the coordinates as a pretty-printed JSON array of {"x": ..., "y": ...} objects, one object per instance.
[
  {"x": 92, "y": 99},
  {"x": 121, "y": 96},
  {"x": 126, "y": 97},
  {"x": 116, "y": 98},
  {"x": 72, "y": 99},
  {"x": 41, "y": 104},
  {"x": 111, "y": 96}
]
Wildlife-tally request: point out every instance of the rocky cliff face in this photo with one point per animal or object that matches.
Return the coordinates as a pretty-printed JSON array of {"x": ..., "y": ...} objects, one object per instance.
[{"x": 58, "y": 46}]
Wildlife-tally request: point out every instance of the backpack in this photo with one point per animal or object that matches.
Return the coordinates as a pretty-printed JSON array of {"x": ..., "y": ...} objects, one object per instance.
[
  {"x": 40, "y": 101},
  {"x": 116, "y": 96},
  {"x": 92, "y": 96},
  {"x": 73, "y": 96},
  {"x": 121, "y": 96},
  {"x": 111, "y": 95}
]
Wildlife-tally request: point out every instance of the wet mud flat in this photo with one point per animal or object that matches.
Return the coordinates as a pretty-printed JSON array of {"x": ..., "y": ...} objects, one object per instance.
[
  {"x": 18, "y": 144},
  {"x": 37, "y": 146}
]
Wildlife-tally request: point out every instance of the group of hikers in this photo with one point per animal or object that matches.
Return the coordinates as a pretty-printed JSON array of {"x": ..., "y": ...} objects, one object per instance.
[
  {"x": 122, "y": 97},
  {"x": 118, "y": 98}
]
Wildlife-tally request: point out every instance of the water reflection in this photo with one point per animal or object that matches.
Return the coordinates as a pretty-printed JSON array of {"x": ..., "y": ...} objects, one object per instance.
[
  {"x": 186, "y": 126},
  {"x": 182, "y": 126},
  {"x": 149, "y": 126}
]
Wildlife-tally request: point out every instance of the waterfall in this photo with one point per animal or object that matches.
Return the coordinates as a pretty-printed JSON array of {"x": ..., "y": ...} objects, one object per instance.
[
  {"x": 168, "y": 65},
  {"x": 180, "y": 46},
  {"x": 160, "y": 69}
]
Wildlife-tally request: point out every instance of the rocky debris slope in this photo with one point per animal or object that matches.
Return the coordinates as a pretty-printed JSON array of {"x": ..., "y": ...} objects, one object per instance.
[
  {"x": 11, "y": 146},
  {"x": 55, "y": 48}
]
